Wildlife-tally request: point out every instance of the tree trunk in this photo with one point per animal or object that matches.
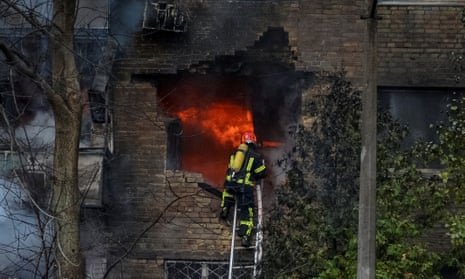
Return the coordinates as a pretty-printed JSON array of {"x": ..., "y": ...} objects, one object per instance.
[
  {"x": 65, "y": 100},
  {"x": 65, "y": 202}
]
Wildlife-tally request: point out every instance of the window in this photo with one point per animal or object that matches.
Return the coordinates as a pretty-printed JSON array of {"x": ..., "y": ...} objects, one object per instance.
[
  {"x": 417, "y": 108},
  {"x": 160, "y": 15},
  {"x": 92, "y": 14},
  {"x": 202, "y": 270},
  {"x": 11, "y": 18}
]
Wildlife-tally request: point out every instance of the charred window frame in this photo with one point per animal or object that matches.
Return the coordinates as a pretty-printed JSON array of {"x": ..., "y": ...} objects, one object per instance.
[
  {"x": 173, "y": 150},
  {"x": 163, "y": 16}
]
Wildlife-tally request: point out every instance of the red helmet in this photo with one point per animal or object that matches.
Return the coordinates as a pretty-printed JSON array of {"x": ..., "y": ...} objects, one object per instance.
[{"x": 249, "y": 137}]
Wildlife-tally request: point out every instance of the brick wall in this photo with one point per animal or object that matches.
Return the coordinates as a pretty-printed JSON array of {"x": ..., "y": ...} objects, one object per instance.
[
  {"x": 181, "y": 224},
  {"x": 415, "y": 43},
  {"x": 138, "y": 162},
  {"x": 188, "y": 227},
  {"x": 168, "y": 214},
  {"x": 329, "y": 36},
  {"x": 325, "y": 35}
]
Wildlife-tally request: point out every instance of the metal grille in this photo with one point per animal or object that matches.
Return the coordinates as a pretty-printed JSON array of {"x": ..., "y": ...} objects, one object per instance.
[{"x": 204, "y": 270}]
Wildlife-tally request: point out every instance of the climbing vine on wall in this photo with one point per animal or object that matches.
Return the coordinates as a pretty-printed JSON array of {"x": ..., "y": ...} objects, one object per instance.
[{"x": 311, "y": 231}]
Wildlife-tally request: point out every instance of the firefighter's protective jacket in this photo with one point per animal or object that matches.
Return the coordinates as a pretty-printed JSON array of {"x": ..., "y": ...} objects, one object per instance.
[{"x": 252, "y": 169}]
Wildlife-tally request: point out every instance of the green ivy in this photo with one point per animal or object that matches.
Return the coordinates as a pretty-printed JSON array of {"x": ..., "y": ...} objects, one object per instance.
[
  {"x": 311, "y": 230},
  {"x": 315, "y": 216}
]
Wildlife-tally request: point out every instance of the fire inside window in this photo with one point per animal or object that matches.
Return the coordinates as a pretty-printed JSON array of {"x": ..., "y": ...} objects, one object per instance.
[{"x": 164, "y": 16}]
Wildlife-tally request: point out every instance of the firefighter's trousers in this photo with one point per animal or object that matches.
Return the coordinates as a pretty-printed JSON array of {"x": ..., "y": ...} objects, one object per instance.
[{"x": 245, "y": 202}]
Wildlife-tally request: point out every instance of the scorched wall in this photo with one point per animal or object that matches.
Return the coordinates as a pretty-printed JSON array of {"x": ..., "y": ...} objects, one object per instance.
[{"x": 414, "y": 45}]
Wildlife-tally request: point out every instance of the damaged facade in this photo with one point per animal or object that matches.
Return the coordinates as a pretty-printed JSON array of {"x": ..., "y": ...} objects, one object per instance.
[{"x": 188, "y": 76}]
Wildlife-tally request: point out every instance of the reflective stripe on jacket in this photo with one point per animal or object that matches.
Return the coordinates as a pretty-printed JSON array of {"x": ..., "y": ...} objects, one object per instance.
[{"x": 252, "y": 169}]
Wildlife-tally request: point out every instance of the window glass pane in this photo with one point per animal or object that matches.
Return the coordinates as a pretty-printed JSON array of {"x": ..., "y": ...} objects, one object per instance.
[
  {"x": 92, "y": 14},
  {"x": 12, "y": 18},
  {"x": 417, "y": 108}
]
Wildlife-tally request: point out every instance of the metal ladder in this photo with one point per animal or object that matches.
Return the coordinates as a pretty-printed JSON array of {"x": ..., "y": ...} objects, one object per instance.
[{"x": 258, "y": 250}]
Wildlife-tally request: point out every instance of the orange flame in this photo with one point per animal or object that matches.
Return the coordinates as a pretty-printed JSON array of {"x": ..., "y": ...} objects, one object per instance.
[
  {"x": 271, "y": 144},
  {"x": 210, "y": 134},
  {"x": 223, "y": 121}
]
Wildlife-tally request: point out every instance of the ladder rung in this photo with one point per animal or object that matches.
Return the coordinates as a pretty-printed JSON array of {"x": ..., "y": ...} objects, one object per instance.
[
  {"x": 244, "y": 248},
  {"x": 243, "y": 267},
  {"x": 246, "y": 251},
  {"x": 254, "y": 228}
]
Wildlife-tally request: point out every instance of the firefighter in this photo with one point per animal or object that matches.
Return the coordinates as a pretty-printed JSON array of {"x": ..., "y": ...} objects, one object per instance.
[{"x": 245, "y": 168}]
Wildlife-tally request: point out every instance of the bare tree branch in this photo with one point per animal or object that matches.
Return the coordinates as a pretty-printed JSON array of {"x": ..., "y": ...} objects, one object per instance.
[
  {"x": 151, "y": 225},
  {"x": 21, "y": 66}
]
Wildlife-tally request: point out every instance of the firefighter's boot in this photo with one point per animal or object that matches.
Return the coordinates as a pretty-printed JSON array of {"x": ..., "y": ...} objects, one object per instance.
[
  {"x": 224, "y": 216},
  {"x": 245, "y": 241},
  {"x": 224, "y": 213}
]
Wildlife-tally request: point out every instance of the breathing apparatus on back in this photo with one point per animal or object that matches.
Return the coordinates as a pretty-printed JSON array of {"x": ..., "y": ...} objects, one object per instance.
[
  {"x": 240, "y": 154},
  {"x": 239, "y": 157}
]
